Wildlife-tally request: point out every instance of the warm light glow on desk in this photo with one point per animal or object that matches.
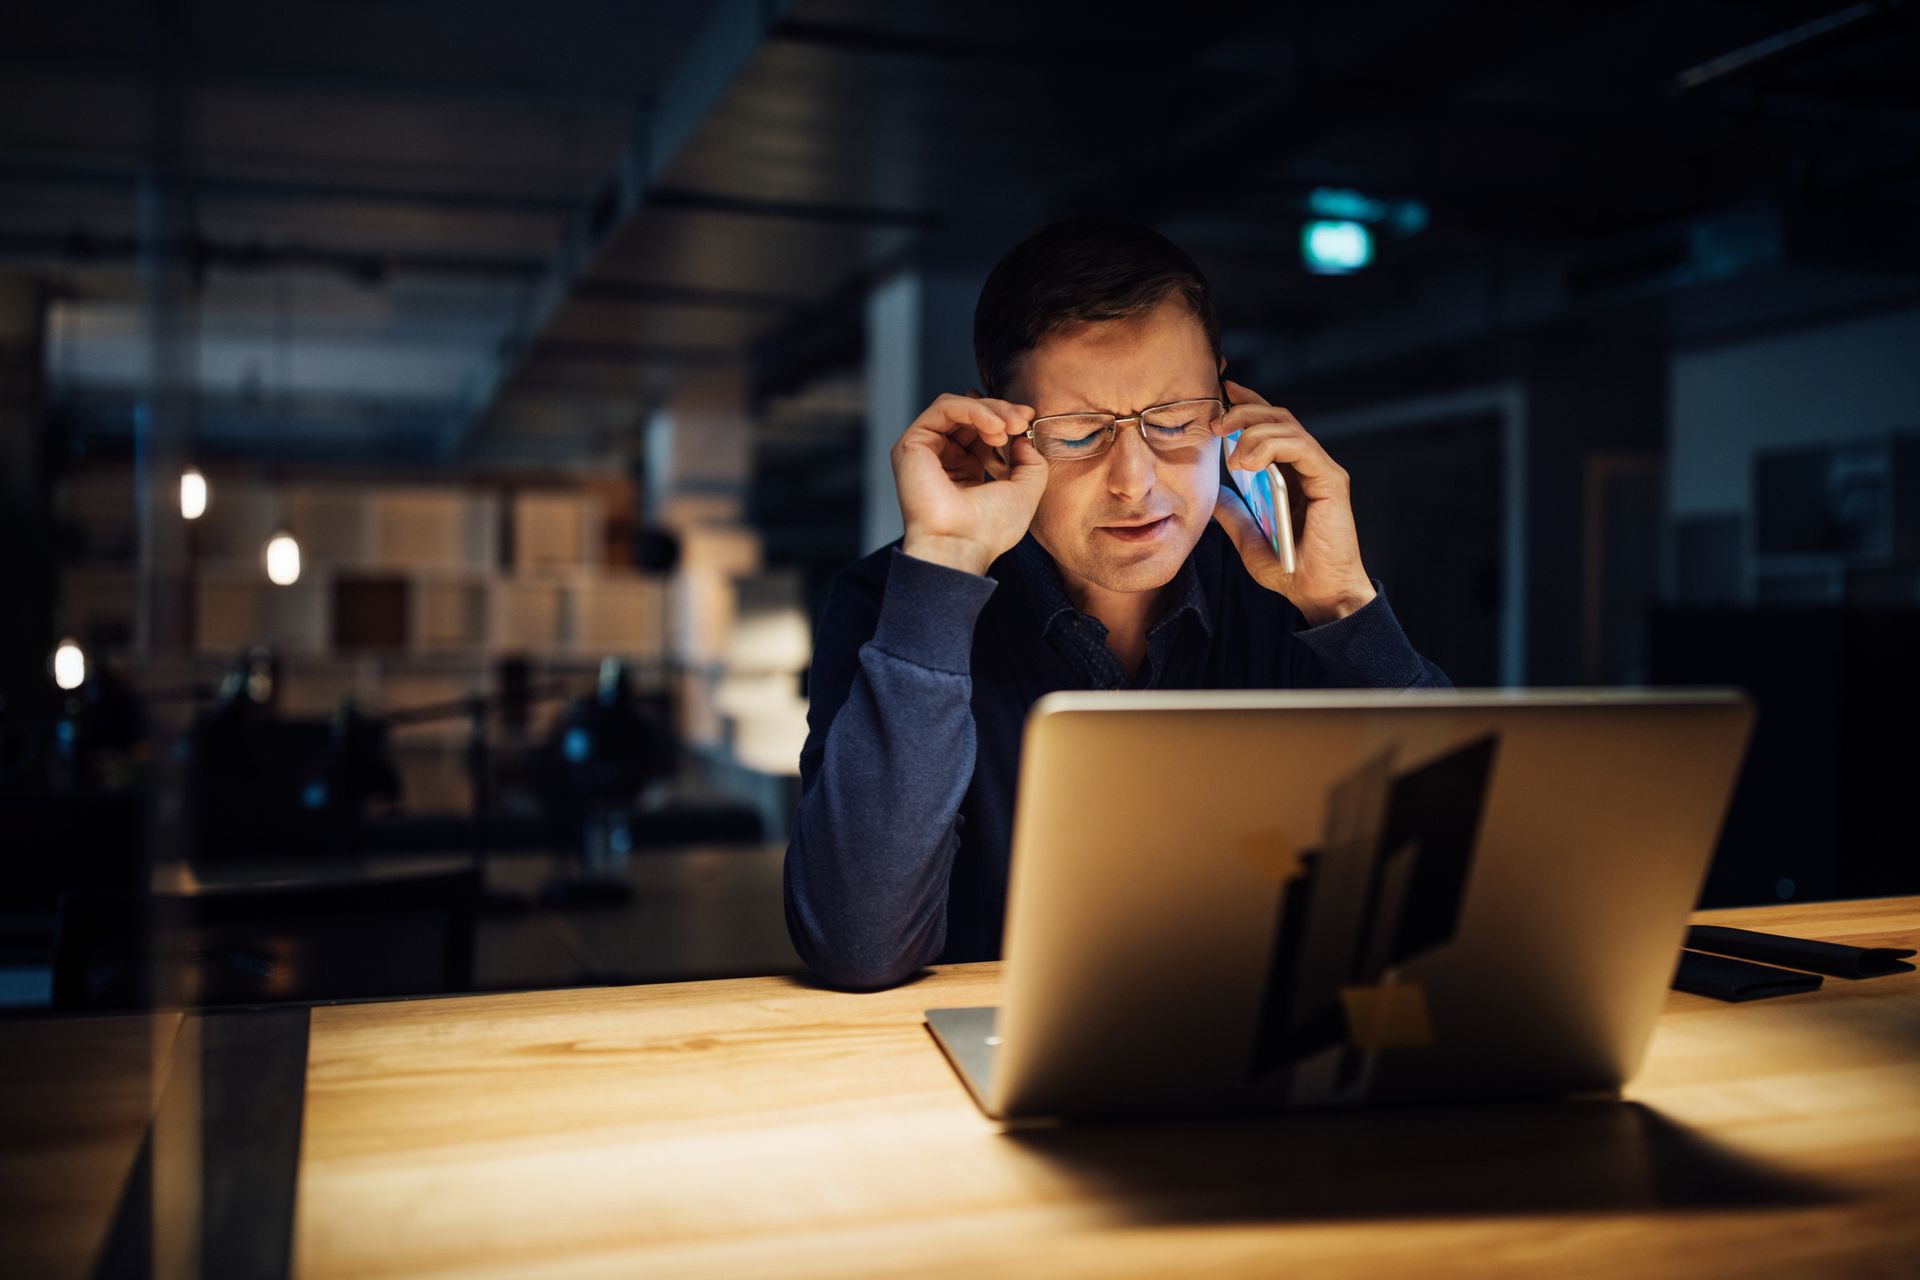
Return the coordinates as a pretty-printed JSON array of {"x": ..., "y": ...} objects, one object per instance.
[
  {"x": 193, "y": 493},
  {"x": 69, "y": 664},
  {"x": 283, "y": 559}
]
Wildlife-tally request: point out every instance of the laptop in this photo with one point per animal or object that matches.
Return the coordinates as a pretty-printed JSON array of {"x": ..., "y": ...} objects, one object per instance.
[{"x": 1237, "y": 901}]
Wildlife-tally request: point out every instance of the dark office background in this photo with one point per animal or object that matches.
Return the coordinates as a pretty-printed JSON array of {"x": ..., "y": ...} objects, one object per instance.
[{"x": 566, "y": 343}]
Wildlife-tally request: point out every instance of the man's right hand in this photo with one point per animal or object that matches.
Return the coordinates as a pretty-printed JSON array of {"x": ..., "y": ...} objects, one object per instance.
[{"x": 962, "y": 505}]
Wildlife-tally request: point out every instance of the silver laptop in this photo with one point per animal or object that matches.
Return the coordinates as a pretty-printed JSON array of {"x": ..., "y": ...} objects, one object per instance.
[{"x": 1240, "y": 900}]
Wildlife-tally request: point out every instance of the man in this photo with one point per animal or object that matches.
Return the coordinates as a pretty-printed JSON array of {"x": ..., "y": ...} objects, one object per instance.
[{"x": 1047, "y": 550}]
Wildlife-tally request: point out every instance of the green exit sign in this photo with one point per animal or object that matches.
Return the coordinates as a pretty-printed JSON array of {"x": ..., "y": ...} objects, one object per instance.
[{"x": 1331, "y": 248}]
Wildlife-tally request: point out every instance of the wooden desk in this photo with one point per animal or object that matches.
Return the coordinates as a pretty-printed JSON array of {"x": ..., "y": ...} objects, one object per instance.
[{"x": 764, "y": 1127}]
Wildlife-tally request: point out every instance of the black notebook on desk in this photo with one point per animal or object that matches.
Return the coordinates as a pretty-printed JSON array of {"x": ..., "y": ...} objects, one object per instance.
[
  {"x": 1724, "y": 978},
  {"x": 1800, "y": 953}
]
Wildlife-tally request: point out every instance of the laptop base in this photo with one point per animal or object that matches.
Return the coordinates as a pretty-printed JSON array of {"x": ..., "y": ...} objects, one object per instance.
[{"x": 967, "y": 1037}]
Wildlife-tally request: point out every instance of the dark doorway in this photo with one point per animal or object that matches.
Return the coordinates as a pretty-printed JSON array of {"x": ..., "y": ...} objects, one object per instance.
[{"x": 1427, "y": 501}]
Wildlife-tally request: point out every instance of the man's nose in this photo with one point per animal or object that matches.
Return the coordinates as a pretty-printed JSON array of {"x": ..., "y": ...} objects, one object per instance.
[{"x": 1130, "y": 464}]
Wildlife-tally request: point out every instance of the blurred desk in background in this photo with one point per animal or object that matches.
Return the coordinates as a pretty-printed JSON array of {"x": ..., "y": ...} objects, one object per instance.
[
  {"x": 699, "y": 911},
  {"x": 705, "y": 911}
]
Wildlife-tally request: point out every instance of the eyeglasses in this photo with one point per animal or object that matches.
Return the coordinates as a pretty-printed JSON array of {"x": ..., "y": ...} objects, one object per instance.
[{"x": 1167, "y": 428}]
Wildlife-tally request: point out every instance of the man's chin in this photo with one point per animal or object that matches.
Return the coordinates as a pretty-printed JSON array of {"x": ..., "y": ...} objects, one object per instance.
[{"x": 1123, "y": 567}]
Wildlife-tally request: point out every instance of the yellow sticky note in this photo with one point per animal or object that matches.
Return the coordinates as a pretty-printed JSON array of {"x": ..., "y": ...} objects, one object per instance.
[
  {"x": 1272, "y": 853},
  {"x": 1388, "y": 1016}
]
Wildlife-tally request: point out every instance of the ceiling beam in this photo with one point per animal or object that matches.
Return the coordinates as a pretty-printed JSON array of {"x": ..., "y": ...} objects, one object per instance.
[
  {"x": 640, "y": 294},
  {"x": 855, "y": 215},
  {"x": 24, "y": 172},
  {"x": 945, "y": 47},
  {"x": 283, "y": 81},
  {"x": 1794, "y": 40},
  {"x": 587, "y": 351},
  {"x": 82, "y": 247},
  {"x": 732, "y": 33},
  {"x": 230, "y": 423}
]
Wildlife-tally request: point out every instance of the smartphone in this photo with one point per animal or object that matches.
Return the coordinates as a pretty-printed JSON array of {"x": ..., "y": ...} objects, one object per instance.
[{"x": 1265, "y": 493}]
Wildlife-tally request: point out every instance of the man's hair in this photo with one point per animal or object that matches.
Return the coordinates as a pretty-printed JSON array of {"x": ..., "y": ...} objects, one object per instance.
[{"x": 1073, "y": 271}]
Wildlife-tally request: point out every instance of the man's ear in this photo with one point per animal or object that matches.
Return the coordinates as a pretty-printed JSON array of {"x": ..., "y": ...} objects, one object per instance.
[{"x": 1222, "y": 370}]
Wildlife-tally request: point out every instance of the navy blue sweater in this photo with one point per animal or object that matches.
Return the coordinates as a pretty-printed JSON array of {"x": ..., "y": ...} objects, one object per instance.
[{"x": 922, "y": 677}]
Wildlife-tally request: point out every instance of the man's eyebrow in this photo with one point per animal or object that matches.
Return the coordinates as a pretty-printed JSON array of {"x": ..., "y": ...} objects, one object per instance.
[{"x": 1164, "y": 397}]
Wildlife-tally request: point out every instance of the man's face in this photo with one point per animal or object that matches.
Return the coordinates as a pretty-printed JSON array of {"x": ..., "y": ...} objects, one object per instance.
[{"x": 1124, "y": 521}]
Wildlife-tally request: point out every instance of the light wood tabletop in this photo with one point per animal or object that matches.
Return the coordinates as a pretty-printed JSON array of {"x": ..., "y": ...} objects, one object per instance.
[{"x": 768, "y": 1127}]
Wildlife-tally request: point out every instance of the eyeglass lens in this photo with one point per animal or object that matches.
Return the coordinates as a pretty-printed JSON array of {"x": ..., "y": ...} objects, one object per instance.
[{"x": 1168, "y": 428}]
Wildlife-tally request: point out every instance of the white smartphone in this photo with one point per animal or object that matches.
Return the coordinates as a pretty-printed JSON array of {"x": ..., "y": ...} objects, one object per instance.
[{"x": 1265, "y": 493}]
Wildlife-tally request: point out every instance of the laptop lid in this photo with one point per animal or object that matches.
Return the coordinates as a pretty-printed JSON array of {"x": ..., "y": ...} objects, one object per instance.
[{"x": 1230, "y": 900}]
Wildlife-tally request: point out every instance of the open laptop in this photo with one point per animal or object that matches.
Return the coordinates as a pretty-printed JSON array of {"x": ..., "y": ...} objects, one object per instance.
[{"x": 1253, "y": 900}]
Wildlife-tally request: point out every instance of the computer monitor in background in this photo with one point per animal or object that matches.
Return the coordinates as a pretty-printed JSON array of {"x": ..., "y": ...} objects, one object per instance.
[{"x": 1826, "y": 805}]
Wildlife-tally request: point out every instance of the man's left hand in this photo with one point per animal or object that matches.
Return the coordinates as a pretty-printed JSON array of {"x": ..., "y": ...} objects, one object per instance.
[{"x": 1328, "y": 581}]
